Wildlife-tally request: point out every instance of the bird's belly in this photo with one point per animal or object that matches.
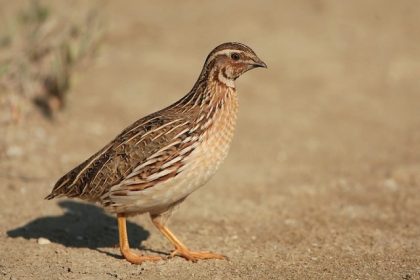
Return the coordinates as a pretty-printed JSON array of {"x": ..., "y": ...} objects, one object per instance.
[{"x": 199, "y": 167}]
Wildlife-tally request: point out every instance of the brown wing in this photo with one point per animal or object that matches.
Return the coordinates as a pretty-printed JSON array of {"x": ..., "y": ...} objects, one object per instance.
[{"x": 146, "y": 147}]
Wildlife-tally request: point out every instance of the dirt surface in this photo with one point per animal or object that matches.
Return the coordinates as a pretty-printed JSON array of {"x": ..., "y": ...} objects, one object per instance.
[{"x": 323, "y": 178}]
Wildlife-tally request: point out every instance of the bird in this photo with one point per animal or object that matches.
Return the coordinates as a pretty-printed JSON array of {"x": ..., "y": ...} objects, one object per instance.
[{"x": 157, "y": 162}]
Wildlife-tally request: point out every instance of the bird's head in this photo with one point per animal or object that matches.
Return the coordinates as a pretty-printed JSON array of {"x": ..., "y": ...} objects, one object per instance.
[{"x": 228, "y": 61}]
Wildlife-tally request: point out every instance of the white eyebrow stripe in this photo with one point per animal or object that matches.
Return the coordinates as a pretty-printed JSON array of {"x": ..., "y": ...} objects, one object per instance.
[{"x": 227, "y": 51}]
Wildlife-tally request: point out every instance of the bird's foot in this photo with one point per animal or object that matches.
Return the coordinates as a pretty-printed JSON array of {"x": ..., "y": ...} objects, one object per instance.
[
  {"x": 139, "y": 259},
  {"x": 195, "y": 256}
]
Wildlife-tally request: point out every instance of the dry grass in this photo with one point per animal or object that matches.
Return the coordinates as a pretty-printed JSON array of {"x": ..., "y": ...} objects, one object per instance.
[{"x": 38, "y": 55}]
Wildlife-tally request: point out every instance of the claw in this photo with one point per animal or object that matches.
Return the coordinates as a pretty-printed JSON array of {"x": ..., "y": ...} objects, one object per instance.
[
  {"x": 139, "y": 259},
  {"x": 195, "y": 256}
]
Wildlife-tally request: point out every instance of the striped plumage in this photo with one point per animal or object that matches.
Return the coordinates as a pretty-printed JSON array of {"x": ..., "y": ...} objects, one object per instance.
[{"x": 160, "y": 159}]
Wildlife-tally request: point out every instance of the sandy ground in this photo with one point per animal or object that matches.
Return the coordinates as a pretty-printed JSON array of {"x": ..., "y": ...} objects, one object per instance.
[{"x": 323, "y": 178}]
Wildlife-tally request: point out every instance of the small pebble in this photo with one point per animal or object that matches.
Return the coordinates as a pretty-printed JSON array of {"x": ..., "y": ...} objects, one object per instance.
[
  {"x": 14, "y": 151},
  {"x": 43, "y": 241},
  {"x": 391, "y": 185}
]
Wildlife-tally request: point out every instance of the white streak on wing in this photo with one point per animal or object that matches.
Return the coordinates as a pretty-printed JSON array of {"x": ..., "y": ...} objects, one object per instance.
[
  {"x": 209, "y": 112},
  {"x": 157, "y": 136},
  {"x": 182, "y": 132},
  {"x": 169, "y": 163},
  {"x": 133, "y": 181},
  {"x": 152, "y": 159},
  {"x": 175, "y": 127},
  {"x": 187, "y": 149},
  {"x": 159, "y": 174},
  {"x": 62, "y": 184},
  {"x": 196, "y": 102},
  {"x": 137, "y": 170},
  {"x": 165, "y": 148},
  {"x": 154, "y": 130},
  {"x": 136, "y": 127},
  {"x": 188, "y": 139},
  {"x": 88, "y": 165},
  {"x": 200, "y": 118},
  {"x": 186, "y": 108},
  {"x": 146, "y": 122},
  {"x": 195, "y": 128},
  {"x": 207, "y": 124}
]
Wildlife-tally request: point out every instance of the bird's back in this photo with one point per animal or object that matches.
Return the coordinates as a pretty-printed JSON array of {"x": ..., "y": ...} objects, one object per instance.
[{"x": 117, "y": 160}]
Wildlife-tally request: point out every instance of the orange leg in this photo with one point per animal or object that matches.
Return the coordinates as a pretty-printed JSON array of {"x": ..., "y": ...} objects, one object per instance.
[
  {"x": 125, "y": 247},
  {"x": 181, "y": 249}
]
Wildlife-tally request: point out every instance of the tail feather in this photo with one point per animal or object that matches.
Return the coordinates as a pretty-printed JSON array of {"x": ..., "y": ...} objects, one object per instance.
[
  {"x": 50, "y": 196},
  {"x": 66, "y": 185},
  {"x": 61, "y": 187}
]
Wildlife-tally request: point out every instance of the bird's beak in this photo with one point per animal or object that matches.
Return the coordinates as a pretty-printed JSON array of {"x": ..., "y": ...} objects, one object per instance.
[{"x": 258, "y": 63}]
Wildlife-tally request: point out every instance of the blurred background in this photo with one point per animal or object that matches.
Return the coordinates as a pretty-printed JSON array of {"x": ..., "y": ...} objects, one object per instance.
[{"x": 323, "y": 177}]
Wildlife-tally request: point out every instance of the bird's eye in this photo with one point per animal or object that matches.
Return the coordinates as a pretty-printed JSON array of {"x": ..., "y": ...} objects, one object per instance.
[{"x": 235, "y": 56}]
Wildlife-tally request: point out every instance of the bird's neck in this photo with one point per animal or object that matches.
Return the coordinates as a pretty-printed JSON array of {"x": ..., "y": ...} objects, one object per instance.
[
  {"x": 210, "y": 103},
  {"x": 212, "y": 88}
]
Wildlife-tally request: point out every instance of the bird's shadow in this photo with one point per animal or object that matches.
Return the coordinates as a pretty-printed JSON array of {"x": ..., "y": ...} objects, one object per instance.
[{"x": 81, "y": 226}]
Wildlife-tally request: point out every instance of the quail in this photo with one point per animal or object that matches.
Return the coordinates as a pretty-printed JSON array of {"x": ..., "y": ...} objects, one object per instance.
[{"x": 156, "y": 162}]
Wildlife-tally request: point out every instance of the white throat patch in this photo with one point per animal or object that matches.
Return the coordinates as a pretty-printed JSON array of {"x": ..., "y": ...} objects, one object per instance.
[{"x": 228, "y": 82}]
